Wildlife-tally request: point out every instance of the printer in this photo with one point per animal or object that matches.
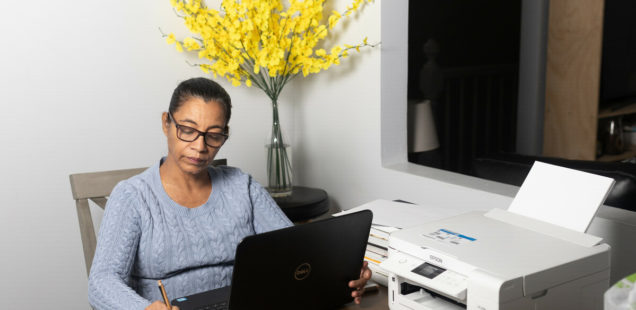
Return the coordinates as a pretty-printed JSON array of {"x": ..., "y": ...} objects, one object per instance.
[{"x": 495, "y": 260}]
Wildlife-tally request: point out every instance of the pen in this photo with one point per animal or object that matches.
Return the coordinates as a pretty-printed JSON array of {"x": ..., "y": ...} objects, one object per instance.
[{"x": 163, "y": 293}]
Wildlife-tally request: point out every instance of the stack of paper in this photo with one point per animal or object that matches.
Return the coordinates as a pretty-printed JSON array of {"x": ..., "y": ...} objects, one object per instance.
[
  {"x": 390, "y": 216},
  {"x": 377, "y": 251}
]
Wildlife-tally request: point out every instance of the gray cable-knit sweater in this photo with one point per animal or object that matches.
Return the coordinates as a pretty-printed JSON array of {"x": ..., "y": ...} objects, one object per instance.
[{"x": 145, "y": 236}]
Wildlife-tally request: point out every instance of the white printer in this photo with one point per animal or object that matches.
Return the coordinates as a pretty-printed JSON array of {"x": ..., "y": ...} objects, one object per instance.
[{"x": 495, "y": 260}]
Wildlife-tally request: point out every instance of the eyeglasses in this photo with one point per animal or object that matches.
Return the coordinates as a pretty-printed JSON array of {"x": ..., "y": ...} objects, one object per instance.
[{"x": 189, "y": 134}]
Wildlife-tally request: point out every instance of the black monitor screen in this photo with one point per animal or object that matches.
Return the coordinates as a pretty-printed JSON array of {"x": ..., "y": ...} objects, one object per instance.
[{"x": 618, "y": 65}]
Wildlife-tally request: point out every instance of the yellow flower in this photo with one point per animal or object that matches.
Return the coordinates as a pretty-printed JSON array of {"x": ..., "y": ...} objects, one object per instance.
[
  {"x": 333, "y": 19},
  {"x": 205, "y": 68},
  {"x": 191, "y": 44},
  {"x": 170, "y": 39},
  {"x": 262, "y": 43}
]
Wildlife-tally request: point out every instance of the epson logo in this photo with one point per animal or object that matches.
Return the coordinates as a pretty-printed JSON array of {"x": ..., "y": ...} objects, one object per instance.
[
  {"x": 302, "y": 271},
  {"x": 435, "y": 258}
]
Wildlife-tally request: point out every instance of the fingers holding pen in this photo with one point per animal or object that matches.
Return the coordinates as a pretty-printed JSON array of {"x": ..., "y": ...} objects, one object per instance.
[{"x": 160, "y": 305}]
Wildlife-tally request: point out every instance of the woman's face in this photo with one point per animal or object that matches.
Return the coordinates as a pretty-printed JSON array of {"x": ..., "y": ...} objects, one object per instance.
[{"x": 194, "y": 157}]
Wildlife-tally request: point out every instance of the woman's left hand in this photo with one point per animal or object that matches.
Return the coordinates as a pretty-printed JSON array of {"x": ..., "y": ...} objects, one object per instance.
[{"x": 365, "y": 275}]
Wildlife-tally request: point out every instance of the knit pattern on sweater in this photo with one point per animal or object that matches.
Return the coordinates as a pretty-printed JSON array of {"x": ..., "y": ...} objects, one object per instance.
[{"x": 145, "y": 236}]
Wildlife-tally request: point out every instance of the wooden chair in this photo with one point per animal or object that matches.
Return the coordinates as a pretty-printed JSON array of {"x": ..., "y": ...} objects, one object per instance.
[{"x": 96, "y": 186}]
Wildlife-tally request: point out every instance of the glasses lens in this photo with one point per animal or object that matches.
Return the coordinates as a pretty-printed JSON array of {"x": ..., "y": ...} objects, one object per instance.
[
  {"x": 214, "y": 139},
  {"x": 186, "y": 133}
]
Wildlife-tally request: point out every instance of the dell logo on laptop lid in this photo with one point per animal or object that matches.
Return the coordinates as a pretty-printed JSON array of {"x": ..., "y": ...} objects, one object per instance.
[{"x": 302, "y": 271}]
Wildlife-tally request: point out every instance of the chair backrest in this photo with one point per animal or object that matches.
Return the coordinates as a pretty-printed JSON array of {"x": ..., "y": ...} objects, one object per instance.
[{"x": 97, "y": 186}]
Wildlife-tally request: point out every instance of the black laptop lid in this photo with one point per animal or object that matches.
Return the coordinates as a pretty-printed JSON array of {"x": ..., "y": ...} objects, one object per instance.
[{"x": 301, "y": 267}]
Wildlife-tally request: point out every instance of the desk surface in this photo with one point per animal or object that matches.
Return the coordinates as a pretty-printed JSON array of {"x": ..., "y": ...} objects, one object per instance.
[{"x": 375, "y": 300}]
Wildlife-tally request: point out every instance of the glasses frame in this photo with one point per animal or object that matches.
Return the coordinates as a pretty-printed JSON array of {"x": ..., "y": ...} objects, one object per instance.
[{"x": 199, "y": 133}]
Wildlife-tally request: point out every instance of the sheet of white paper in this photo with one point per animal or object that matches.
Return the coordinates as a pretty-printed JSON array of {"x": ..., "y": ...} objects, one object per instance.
[
  {"x": 561, "y": 196},
  {"x": 399, "y": 214}
]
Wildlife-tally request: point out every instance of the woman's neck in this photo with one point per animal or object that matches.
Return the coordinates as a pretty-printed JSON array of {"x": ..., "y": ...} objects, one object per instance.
[{"x": 190, "y": 190}]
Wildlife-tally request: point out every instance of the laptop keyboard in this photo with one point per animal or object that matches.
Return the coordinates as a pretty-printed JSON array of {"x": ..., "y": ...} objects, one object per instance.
[{"x": 217, "y": 306}]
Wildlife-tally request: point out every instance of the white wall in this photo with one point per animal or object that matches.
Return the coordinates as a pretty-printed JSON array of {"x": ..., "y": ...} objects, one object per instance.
[
  {"x": 351, "y": 132},
  {"x": 348, "y": 125},
  {"x": 82, "y": 87}
]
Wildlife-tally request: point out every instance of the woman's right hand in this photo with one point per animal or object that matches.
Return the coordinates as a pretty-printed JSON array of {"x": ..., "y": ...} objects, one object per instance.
[{"x": 160, "y": 305}]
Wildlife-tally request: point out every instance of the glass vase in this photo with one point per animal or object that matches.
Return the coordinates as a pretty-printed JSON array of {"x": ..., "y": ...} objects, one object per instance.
[{"x": 279, "y": 167}]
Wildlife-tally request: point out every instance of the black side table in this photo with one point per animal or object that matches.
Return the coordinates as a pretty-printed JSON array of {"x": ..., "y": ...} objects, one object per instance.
[{"x": 304, "y": 203}]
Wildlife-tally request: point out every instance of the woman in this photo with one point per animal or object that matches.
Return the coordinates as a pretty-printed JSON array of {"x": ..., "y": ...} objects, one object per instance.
[{"x": 180, "y": 221}]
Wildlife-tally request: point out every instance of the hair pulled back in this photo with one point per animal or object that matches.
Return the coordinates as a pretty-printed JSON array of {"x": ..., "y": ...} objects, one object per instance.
[{"x": 205, "y": 89}]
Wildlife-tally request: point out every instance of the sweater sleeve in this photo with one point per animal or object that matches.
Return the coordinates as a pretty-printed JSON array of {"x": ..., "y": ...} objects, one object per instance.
[
  {"x": 117, "y": 244},
  {"x": 267, "y": 214}
]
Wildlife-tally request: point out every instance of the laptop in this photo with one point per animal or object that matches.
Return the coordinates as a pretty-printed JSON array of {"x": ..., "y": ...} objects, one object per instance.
[{"x": 308, "y": 266}]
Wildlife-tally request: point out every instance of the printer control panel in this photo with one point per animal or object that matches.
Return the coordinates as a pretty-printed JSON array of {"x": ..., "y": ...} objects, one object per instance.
[
  {"x": 431, "y": 276},
  {"x": 445, "y": 280}
]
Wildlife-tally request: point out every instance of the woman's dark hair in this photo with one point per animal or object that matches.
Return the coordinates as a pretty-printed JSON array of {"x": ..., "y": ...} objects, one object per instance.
[{"x": 205, "y": 89}]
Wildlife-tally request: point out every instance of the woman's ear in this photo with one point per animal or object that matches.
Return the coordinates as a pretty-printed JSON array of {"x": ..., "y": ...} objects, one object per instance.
[{"x": 165, "y": 123}]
